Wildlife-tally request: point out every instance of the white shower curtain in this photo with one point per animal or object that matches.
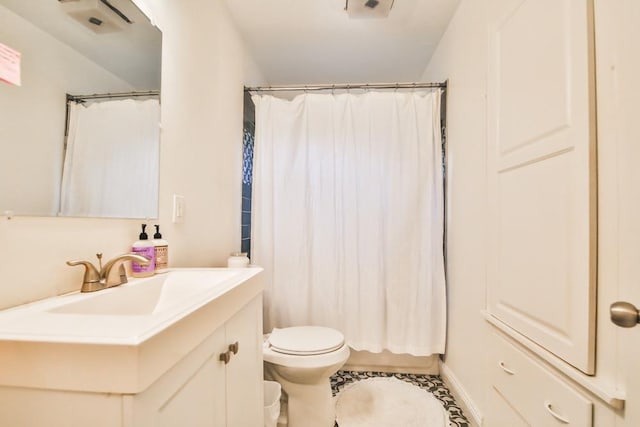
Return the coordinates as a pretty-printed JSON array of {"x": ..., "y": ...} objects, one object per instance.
[
  {"x": 111, "y": 162},
  {"x": 348, "y": 216}
]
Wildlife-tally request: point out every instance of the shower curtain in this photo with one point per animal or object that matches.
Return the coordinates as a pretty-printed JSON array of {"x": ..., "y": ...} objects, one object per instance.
[
  {"x": 111, "y": 161},
  {"x": 348, "y": 216}
]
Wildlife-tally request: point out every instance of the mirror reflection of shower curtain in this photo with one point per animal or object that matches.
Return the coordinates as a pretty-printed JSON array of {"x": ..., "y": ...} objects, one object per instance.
[
  {"x": 348, "y": 217},
  {"x": 111, "y": 162}
]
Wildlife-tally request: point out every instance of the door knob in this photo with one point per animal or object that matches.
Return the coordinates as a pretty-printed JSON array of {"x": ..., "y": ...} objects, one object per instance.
[{"x": 624, "y": 314}]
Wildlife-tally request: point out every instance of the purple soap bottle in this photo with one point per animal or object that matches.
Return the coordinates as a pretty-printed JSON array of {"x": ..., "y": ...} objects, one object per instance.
[{"x": 145, "y": 248}]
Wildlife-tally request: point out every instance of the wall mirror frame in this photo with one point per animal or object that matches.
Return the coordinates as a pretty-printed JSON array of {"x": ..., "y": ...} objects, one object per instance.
[{"x": 78, "y": 48}]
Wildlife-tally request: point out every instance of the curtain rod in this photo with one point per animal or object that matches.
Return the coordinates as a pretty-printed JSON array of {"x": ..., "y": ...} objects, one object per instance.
[
  {"x": 112, "y": 95},
  {"x": 346, "y": 86}
]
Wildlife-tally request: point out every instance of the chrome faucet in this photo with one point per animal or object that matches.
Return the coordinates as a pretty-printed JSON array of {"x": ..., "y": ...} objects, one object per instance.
[{"x": 112, "y": 274}]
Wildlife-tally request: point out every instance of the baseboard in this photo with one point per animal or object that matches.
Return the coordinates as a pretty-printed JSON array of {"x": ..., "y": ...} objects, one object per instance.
[
  {"x": 461, "y": 395},
  {"x": 390, "y": 362}
]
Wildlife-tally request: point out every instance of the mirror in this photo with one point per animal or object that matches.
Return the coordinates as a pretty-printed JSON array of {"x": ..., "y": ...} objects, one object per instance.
[{"x": 76, "y": 47}]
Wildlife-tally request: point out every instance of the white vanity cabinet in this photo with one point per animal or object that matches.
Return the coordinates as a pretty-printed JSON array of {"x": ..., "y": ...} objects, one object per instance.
[
  {"x": 203, "y": 390},
  {"x": 189, "y": 355}
]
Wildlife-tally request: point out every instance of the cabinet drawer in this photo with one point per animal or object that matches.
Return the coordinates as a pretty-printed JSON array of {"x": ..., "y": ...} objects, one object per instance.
[
  {"x": 500, "y": 413},
  {"x": 540, "y": 396}
]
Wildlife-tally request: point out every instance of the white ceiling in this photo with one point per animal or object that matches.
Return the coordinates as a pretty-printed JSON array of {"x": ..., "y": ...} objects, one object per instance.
[{"x": 315, "y": 41}]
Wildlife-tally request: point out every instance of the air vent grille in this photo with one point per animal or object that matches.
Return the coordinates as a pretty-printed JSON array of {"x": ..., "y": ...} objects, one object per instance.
[
  {"x": 100, "y": 16},
  {"x": 363, "y": 9}
]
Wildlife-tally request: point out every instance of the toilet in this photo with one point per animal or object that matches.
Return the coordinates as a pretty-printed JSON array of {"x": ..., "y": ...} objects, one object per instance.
[{"x": 301, "y": 359}]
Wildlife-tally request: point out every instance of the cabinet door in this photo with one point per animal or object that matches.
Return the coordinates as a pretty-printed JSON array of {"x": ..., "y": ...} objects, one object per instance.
[
  {"x": 192, "y": 393},
  {"x": 244, "y": 371},
  {"x": 194, "y": 405},
  {"x": 541, "y": 176}
]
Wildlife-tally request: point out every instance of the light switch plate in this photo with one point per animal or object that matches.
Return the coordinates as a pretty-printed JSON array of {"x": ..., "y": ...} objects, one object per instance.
[{"x": 178, "y": 209}]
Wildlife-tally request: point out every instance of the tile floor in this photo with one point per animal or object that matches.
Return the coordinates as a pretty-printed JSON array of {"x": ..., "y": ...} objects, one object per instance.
[{"x": 432, "y": 383}]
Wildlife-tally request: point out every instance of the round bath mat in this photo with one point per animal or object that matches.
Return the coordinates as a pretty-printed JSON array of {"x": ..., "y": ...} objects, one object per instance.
[{"x": 388, "y": 402}]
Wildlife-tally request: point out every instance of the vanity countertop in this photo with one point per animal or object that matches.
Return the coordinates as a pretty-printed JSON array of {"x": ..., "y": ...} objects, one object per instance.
[{"x": 119, "y": 339}]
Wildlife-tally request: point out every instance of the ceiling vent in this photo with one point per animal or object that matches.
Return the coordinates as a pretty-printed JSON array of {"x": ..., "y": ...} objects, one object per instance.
[
  {"x": 363, "y": 9},
  {"x": 100, "y": 16}
]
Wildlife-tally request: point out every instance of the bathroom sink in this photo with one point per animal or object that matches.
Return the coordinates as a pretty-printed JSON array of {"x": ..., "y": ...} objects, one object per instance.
[
  {"x": 127, "y": 314},
  {"x": 146, "y": 297},
  {"x": 121, "y": 339}
]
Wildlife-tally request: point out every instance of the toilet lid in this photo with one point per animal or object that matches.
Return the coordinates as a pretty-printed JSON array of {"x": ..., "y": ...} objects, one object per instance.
[{"x": 305, "y": 340}]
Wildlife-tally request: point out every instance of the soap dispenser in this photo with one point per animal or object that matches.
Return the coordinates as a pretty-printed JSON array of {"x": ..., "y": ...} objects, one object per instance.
[
  {"x": 161, "y": 248},
  {"x": 145, "y": 248}
]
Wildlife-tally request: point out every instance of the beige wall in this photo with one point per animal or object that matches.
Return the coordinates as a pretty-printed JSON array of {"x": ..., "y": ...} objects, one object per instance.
[
  {"x": 204, "y": 67},
  {"x": 461, "y": 57}
]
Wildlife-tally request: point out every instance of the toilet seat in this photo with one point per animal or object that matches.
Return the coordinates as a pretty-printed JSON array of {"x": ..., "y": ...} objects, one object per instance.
[{"x": 305, "y": 340}]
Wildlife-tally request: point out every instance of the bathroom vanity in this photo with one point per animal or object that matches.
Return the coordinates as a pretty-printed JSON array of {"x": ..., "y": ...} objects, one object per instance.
[{"x": 182, "y": 348}]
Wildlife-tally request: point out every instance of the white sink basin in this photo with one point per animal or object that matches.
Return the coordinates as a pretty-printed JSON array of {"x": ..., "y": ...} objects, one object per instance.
[
  {"x": 126, "y": 314},
  {"x": 123, "y": 338},
  {"x": 149, "y": 296}
]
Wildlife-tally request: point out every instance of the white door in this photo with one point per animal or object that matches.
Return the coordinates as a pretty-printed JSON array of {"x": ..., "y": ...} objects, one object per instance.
[
  {"x": 541, "y": 175},
  {"x": 618, "y": 35}
]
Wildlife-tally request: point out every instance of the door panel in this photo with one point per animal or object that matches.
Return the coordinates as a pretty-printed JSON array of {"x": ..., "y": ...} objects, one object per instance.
[
  {"x": 541, "y": 176},
  {"x": 536, "y": 211},
  {"x": 244, "y": 371},
  {"x": 617, "y": 38}
]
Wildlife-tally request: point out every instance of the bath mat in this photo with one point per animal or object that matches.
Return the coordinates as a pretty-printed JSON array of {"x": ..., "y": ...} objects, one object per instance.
[{"x": 388, "y": 402}]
